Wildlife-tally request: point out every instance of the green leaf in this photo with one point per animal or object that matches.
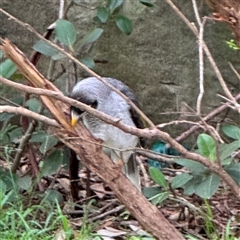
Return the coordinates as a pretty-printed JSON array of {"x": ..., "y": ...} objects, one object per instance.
[
  {"x": 114, "y": 4},
  {"x": 4, "y": 138},
  {"x": 50, "y": 141},
  {"x": 102, "y": 14},
  {"x": 158, "y": 177},
  {"x": 91, "y": 36},
  {"x": 232, "y": 131},
  {"x": 65, "y": 32},
  {"x": 58, "y": 56},
  {"x": 88, "y": 62},
  {"x": 38, "y": 137},
  {"x": 226, "y": 150},
  {"x": 52, "y": 163},
  {"x": 208, "y": 186},
  {"x": 181, "y": 180},
  {"x": 147, "y": 3},
  {"x": 192, "y": 166},
  {"x": 7, "y": 68},
  {"x": 9, "y": 197},
  {"x": 6, "y": 116},
  {"x": 24, "y": 182},
  {"x": 231, "y": 44},
  {"x": 234, "y": 171},
  {"x": 3, "y": 187},
  {"x": 45, "y": 48},
  {"x": 34, "y": 105},
  {"x": 149, "y": 192},
  {"x": 206, "y": 146},
  {"x": 52, "y": 196},
  {"x": 191, "y": 185},
  {"x": 159, "y": 198},
  {"x": 5, "y": 134},
  {"x": 1, "y": 54},
  {"x": 226, "y": 161},
  {"x": 15, "y": 134},
  {"x": 124, "y": 24},
  {"x": 9, "y": 179}
]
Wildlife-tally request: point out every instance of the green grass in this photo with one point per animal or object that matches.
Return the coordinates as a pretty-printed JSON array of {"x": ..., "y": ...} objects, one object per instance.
[{"x": 44, "y": 221}]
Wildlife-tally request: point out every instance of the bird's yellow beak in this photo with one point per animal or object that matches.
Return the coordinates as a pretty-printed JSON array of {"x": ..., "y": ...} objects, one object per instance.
[{"x": 74, "y": 118}]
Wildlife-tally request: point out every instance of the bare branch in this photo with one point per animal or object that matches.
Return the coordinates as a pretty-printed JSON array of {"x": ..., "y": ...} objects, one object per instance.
[
  {"x": 25, "y": 112},
  {"x": 61, "y": 9},
  {"x": 24, "y": 139},
  {"x": 208, "y": 117},
  {"x": 201, "y": 62},
  {"x": 235, "y": 70},
  {"x": 196, "y": 13}
]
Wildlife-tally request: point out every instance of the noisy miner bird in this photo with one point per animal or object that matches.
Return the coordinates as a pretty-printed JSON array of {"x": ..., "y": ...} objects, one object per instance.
[{"x": 98, "y": 95}]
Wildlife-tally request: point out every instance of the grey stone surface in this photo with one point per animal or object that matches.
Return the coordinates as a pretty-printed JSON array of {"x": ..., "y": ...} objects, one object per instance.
[
  {"x": 159, "y": 60},
  {"x": 39, "y": 14}
]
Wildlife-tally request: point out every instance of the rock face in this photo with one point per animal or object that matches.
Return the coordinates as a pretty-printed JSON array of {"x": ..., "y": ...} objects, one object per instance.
[
  {"x": 159, "y": 60},
  {"x": 39, "y": 14}
]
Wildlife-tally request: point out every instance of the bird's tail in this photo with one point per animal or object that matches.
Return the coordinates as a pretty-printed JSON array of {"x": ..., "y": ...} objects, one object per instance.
[{"x": 130, "y": 169}]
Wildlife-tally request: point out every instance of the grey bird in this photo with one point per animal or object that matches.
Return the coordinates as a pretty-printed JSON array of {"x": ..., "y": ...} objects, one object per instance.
[{"x": 98, "y": 95}]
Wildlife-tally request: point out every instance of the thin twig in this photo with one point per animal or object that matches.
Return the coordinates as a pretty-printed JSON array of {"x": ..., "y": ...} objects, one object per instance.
[
  {"x": 99, "y": 211},
  {"x": 234, "y": 70},
  {"x": 156, "y": 156},
  {"x": 114, "y": 210},
  {"x": 61, "y": 9},
  {"x": 201, "y": 67},
  {"x": 201, "y": 70},
  {"x": 177, "y": 122},
  {"x": 208, "y": 117},
  {"x": 230, "y": 101},
  {"x": 25, "y": 138},
  {"x": 144, "y": 172},
  {"x": 9, "y": 101},
  {"x": 195, "y": 8},
  {"x": 25, "y": 112}
]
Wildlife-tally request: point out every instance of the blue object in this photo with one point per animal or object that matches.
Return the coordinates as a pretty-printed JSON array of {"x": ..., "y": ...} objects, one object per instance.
[{"x": 161, "y": 147}]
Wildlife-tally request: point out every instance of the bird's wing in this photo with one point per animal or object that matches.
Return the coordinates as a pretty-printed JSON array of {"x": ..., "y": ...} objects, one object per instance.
[{"x": 136, "y": 118}]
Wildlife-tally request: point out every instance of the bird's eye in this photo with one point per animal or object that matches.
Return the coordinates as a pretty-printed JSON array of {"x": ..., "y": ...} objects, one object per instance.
[
  {"x": 75, "y": 109},
  {"x": 94, "y": 104}
]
